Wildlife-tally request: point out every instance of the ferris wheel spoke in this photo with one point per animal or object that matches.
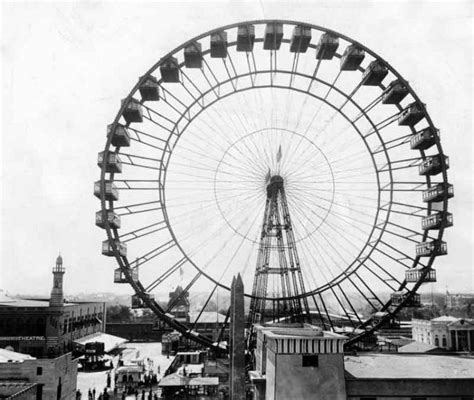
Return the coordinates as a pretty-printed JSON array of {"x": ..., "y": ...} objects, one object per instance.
[
  {"x": 408, "y": 233},
  {"x": 342, "y": 306},
  {"x": 302, "y": 196},
  {"x": 371, "y": 295},
  {"x": 203, "y": 307},
  {"x": 142, "y": 232},
  {"x": 397, "y": 260},
  {"x": 368, "y": 107},
  {"x": 137, "y": 208},
  {"x": 152, "y": 254},
  {"x": 383, "y": 280},
  {"x": 394, "y": 143},
  {"x": 135, "y": 160},
  {"x": 341, "y": 216},
  {"x": 166, "y": 274},
  {"x": 354, "y": 311},
  {"x": 381, "y": 125}
]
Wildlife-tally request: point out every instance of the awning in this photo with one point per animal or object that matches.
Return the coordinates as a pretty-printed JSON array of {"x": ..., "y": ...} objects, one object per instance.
[
  {"x": 177, "y": 380},
  {"x": 110, "y": 341}
]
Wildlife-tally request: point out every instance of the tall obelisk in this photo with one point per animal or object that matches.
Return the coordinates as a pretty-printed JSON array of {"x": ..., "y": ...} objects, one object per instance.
[{"x": 237, "y": 340}]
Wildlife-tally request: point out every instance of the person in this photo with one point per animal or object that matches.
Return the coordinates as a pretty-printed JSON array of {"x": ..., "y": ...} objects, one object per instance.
[
  {"x": 78, "y": 394},
  {"x": 108, "y": 379},
  {"x": 89, "y": 394},
  {"x": 143, "y": 393},
  {"x": 93, "y": 394}
]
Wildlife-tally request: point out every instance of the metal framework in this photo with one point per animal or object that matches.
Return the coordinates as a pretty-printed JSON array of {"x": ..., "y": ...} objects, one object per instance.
[
  {"x": 363, "y": 168},
  {"x": 278, "y": 240}
]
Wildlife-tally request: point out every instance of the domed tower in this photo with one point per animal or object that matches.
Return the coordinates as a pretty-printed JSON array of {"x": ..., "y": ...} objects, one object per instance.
[{"x": 57, "y": 294}]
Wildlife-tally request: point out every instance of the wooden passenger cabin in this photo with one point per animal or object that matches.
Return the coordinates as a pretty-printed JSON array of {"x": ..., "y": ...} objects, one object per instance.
[
  {"x": 193, "y": 55},
  {"x": 327, "y": 46},
  {"x": 133, "y": 111},
  {"x": 149, "y": 89},
  {"x": 120, "y": 136},
  {"x": 112, "y": 163},
  {"x": 137, "y": 301},
  {"x": 424, "y": 139},
  {"x": 245, "y": 37},
  {"x": 107, "y": 249},
  {"x": 111, "y": 191},
  {"x": 219, "y": 44},
  {"x": 432, "y": 248},
  {"x": 395, "y": 92},
  {"x": 413, "y": 275},
  {"x": 433, "y": 165},
  {"x": 397, "y": 298},
  {"x": 411, "y": 115},
  {"x": 273, "y": 36},
  {"x": 437, "y": 192},
  {"x": 374, "y": 74},
  {"x": 112, "y": 218},
  {"x": 119, "y": 275},
  {"x": 169, "y": 70},
  {"x": 352, "y": 58},
  {"x": 300, "y": 39},
  {"x": 437, "y": 221}
]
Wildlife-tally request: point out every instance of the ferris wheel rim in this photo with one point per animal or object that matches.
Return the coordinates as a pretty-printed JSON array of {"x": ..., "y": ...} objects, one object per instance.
[{"x": 112, "y": 233}]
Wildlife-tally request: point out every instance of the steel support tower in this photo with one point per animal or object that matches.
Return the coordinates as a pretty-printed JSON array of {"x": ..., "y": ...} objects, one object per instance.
[{"x": 278, "y": 257}]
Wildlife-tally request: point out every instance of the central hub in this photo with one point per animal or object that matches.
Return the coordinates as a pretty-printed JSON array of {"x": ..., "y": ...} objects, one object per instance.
[{"x": 274, "y": 185}]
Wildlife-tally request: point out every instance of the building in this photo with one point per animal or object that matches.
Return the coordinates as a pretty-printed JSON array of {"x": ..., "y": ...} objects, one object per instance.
[
  {"x": 18, "y": 390},
  {"x": 48, "y": 327},
  {"x": 178, "y": 304},
  {"x": 458, "y": 300},
  {"x": 304, "y": 362},
  {"x": 295, "y": 361},
  {"x": 49, "y": 378},
  {"x": 446, "y": 332},
  {"x": 408, "y": 377}
]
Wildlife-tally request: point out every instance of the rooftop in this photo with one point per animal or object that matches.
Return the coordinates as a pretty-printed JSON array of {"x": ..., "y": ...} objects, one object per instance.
[
  {"x": 409, "y": 366},
  {"x": 207, "y": 317},
  {"x": 7, "y": 356},
  {"x": 14, "y": 388},
  {"x": 293, "y": 331},
  {"x": 110, "y": 342}
]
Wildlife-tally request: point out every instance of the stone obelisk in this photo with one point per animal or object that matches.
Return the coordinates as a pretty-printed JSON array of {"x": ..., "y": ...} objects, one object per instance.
[{"x": 237, "y": 340}]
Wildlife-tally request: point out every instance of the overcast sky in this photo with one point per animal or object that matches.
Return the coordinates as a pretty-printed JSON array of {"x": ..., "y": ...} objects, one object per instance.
[{"x": 67, "y": 65}]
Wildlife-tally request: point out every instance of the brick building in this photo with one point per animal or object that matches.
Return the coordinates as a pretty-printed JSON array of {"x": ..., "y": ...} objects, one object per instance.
[{"x": 48, "y": 327}]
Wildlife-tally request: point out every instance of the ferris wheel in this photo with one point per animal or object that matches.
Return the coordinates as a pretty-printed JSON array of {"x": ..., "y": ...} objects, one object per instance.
[{"x": 284, "y": 116}]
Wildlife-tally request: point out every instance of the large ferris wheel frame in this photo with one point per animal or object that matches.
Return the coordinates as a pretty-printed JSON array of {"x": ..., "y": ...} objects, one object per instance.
[{"x": 107, "y": 205}]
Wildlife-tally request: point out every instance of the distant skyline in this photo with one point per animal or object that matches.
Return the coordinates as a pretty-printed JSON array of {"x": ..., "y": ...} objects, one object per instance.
[{"x": 67, "y": 65}]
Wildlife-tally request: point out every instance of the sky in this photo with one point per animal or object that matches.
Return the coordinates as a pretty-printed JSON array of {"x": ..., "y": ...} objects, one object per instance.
[{"x": 66, "y": 66}]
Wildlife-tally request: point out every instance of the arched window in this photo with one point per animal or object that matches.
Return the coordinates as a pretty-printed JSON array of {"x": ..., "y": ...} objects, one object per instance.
[
  {"x": 436, "y": 341},
  {"x": 443, "y": 342}
]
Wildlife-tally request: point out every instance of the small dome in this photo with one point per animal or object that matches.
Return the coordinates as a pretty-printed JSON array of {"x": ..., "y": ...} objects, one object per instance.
[{"x": 59, "y": 260}]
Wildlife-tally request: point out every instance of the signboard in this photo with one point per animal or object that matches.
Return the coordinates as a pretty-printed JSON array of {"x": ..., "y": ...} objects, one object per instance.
[{"x": 21, "y": 338}]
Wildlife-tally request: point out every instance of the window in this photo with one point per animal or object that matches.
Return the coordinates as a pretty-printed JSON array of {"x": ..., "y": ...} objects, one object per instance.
[
  {"x": 310, "y": 361},
  {"x": 39, "y": 370}
]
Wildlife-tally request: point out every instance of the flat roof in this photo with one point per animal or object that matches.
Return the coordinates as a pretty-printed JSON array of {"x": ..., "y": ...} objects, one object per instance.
[
  {"x": 110, "y": 341},
  {"x": 7, "y": 356},
  {"x": 14, "y": 388},
  {"x": 409, "y": 366}
]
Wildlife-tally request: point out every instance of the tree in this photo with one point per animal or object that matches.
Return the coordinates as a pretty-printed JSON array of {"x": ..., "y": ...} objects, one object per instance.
[{"x": 118, "y": 313}]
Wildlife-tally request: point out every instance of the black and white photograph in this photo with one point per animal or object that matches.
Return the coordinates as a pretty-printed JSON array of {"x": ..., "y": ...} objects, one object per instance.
[{"x": 237, "y": 200}]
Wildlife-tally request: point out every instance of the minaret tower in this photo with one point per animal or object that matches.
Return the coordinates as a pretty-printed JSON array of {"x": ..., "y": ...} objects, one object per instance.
[{"x": 57, "y": 294}]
